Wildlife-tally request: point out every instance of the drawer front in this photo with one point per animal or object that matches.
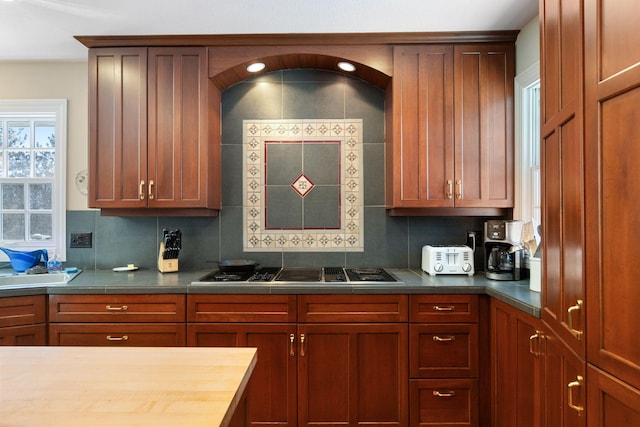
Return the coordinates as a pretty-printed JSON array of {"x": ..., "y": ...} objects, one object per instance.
[
  {"x": 444, "y": 350},
  {"x": 352, "y": 308},
  {"x": 444, "y": 403},
  {"x": 117, "y": 308},
  {"x": 241, "y": 308},
  {"x": 444, "y": 308},
  {"x": 118, "y": 334},
  {"x": 27, "y": 310},
  {"x": 24, "y": 335}
]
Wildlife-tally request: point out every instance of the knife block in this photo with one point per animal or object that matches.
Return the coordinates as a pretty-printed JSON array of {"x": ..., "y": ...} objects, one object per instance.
[{"x": 166, "y": 265}]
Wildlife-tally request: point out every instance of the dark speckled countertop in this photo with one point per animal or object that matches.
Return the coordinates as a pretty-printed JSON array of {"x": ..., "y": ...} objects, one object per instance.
[{"x": 148, "y": 281}]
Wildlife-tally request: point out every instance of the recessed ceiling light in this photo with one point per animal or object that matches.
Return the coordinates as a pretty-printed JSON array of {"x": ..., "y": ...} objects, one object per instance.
[
  {"x": 346, "y": 66},
  {"x": 255, "y": 67}
]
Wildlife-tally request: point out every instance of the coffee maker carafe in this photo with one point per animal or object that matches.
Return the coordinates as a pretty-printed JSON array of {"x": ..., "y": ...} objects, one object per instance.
[{"x": 504, "y": 255}]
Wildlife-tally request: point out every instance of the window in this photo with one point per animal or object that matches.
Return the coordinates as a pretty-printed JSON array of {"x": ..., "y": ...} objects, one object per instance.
[
  {"x": 527, "y": 124},
  {"x": 32, "y": 175}
]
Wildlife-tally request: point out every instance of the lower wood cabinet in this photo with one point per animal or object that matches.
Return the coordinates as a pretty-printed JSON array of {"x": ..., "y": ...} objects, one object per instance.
[
  {"x": 314, "y": 369},
  {"x": 117, "y": 320},
  {"x": 445, "y": 337},
  {"x": 23, "y": 320},
  {"x": 515, "y": 367},
  {"x": 610, "y": 402}
]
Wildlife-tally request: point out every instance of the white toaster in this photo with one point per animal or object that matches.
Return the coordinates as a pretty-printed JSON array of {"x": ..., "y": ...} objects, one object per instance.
[{"x": 447, "y": 259}]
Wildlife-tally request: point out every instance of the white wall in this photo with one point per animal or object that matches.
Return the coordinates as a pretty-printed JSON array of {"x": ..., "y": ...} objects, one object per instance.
[
  {"x": 528, "y": 46},
  {"x": 56, "y": 80}
]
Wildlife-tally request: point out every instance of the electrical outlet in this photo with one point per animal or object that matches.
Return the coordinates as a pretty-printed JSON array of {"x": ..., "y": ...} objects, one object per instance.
[{"x": 81, "y": 240}]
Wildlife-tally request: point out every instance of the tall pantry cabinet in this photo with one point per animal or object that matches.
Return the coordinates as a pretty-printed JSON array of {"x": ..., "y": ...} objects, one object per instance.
[
  {"x": 590, "y": 131},
  {"x": 612, "y": 141}
]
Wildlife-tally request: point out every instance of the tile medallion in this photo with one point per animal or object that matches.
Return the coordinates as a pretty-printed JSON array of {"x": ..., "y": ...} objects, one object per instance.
[{"x": 303, "y": 187}]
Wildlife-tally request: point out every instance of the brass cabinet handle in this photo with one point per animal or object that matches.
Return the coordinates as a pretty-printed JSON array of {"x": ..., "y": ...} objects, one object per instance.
[
  {"x": 449, "y": 189},
  {"x": 292, "y": 338},
  {"x": 301, "y": 345},
  {"x": 141, "y": 191},
  {"x": 532, "y": 338},
  {"x": 449, "y": 393},
  {"x": 444, "y": 339},
  {"x": 117, "y": 308},
  {"x": 122, "y": 338},
  {"x": 574, "y": 384},
  {"x": 458, "y": 189},
  {"x": 445, "y": 308},
  {"x": 150, "y": 189},
  {"x": 577, "y": 333}
]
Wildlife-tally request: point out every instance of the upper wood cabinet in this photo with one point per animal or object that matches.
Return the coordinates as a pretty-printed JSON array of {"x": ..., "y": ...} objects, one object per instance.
[
  {"x": 452, "y": 128},
  {"x": 150, "y": 149}
]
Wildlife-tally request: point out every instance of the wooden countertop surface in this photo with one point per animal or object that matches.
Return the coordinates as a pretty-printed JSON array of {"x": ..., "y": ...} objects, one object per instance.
[{"x": 135, "y": 386}]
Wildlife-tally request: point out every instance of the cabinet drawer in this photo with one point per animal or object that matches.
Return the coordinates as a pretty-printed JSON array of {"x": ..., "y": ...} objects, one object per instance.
[
  {"x": 444, "y": 308},
  {"x": 444, "y": 403},
  {"x": 241, "y": 308},
  {"x": 352, "y": 308},
  {"x": 117, "y": 308},
  {"x": 24, "y": 335},
  {"x": 17, "y": 311},
  {"x": 443, "y": 350},
  {"x": 118, "y": 334}
]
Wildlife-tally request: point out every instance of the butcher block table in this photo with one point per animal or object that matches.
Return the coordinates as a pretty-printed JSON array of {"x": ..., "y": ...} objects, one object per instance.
[{"x": 124, "y": 387}]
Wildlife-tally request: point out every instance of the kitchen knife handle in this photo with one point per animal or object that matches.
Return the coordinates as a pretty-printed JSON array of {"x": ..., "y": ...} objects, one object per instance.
[
  {"x": 449, "y": 189},
  {"x": 574, "y": 384},
  {"x": 576, "y": 332},
  {"x": 292, "y": 338},
  {"x": 141, "y": 191},
  {"x": 150, "y": 189}
]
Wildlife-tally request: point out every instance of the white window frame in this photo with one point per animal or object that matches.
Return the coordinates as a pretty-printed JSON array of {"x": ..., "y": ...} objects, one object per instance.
[
  {"x": 524, "y": 188},
  {"x": 57, "y": 244}
]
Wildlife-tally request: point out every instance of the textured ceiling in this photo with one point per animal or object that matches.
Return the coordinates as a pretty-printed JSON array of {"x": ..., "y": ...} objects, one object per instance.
[{"x": 44, "y": 29}]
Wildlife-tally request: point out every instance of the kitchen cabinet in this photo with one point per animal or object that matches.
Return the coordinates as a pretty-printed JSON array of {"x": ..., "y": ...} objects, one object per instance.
[
  {"x": 23, "y": 320},
  {"x": 267, "y": 322},
  {"x": 117, "y": 320},
  {"x": 515, "y": 367},
  {"x": 150, "y": 151},
  {"x": 611, "y": 402},
  {"x": 444, "y": 360},
  {"x": 612, "y": 95},
  {"x": 452, "y": 129},
  {"x": 327, "y": 359}
]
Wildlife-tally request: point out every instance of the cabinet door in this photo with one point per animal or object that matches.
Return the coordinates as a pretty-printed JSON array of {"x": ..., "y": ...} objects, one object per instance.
[
  {"x": 515, "y": 372},
  {"x": 563, "y": 386},
  {"x": 562, "y": 171},
  {"x": 271, "y": 395},
  {"x": 422, "y": 154},
  {"x": 483, "y": 82},
  {"x": 612, "y": 129},
  {"x": 178, "y": 119},
  {"x": 352, "y": 375},
  {"x": 611, "y": 403},
  {"x": 117, "y": 127},
  {"x": 24, "y": 335}
]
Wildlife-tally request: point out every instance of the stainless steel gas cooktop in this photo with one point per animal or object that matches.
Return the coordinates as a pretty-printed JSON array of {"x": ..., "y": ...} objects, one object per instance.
[{"x": 288, "y": 275}]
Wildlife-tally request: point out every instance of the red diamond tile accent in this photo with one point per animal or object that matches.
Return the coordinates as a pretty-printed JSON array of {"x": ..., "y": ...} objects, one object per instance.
[{"x": 302, "y": 185}]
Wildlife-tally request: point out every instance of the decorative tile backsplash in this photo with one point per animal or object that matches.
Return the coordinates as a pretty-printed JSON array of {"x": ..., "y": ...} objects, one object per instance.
[{"x": 302, "y": 183}]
